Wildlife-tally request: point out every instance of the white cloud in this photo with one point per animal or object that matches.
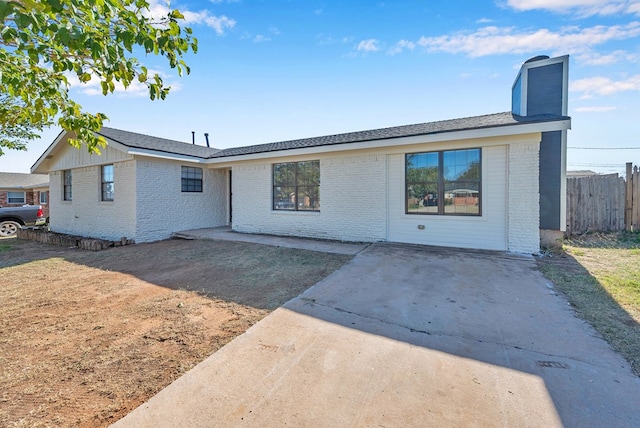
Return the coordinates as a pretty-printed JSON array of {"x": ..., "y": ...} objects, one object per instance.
[
  {"x": 325, "y": 40},
  {"x": 595, "y": 58},
  {"x": 274, "y": 30},
  {"x": 580, "y": 7},
  {"x": 134, "y": 90},
  {"x": 219, "y": 23},
  {"x": 595, "y": 109},
  {"x": 158, "y": 8},
  {"x": 484, "y": 21},
  {"x": 599, "y": 85},
  {"x": 369, "y": 45},
  {"x": 260, "y": 39},
  {"x": 401, "y": 46},
  {"x": 509, "y": 40}
]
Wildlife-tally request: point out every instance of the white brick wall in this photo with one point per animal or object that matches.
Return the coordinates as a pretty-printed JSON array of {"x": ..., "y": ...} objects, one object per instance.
[
  {"x": 487, "y": 231},
  {"x": 524, "y": 198},
  {"x": 162, "y": 207},
  {"x": 86, "y": 214},
  {"x": 352, "y": 200},
  {"x": 148, "y": 203},
  {"x": 361, "y": 199}
]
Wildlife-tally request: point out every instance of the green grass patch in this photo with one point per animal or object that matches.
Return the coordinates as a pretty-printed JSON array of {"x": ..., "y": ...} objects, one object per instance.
[
  {"x": 6, "y": 245},
  {"x": 600, "y": 276}
]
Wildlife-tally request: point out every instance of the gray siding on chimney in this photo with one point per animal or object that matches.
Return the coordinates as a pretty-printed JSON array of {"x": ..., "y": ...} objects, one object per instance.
[
  {"x": 516, "y": 96},
  {"x": 550, "y": 180},
  {"x": 544, "y": 90}
]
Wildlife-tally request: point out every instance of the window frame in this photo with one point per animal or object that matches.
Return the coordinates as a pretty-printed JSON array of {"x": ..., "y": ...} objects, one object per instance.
[
  {"x": 9, "y": 197},
  {"x": 441, "y": 183},
  {"x": 105, "y": 182},
  {"x": 194, "y": 180},
  {"x": 46, "y": 197},
  {"x": 300, "y": 180},
  {"x": 67, "y": 185}
]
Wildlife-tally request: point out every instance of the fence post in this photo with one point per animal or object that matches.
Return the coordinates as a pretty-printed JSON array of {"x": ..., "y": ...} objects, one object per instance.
[
  {"x": 628, "y": 199},
  {"x": 635, "y": 200}
]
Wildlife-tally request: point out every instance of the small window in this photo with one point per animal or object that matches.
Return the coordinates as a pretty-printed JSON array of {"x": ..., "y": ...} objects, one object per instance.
[
  {"x": 16, "y": 198},
  {"x": 296, "y": 186},
  {"x": 444, "y": 183},
  {"x": 44, "y": 198},
  {"x": 191, "y": 179},
  {"x": 66, "y": 180},
  {"x": 107, "y": 182}
]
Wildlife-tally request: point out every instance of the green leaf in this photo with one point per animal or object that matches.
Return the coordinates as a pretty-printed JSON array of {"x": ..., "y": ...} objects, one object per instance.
[
  {"x": 47, "y": 39},
  {"x": 6, "y": 9}
]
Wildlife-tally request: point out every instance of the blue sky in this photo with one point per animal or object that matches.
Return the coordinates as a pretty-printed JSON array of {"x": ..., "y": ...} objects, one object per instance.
[{"x": 277, "y": 70}]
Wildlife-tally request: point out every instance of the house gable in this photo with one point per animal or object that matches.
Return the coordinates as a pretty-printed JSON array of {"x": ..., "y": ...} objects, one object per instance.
[{"x": 68, "y": 157}]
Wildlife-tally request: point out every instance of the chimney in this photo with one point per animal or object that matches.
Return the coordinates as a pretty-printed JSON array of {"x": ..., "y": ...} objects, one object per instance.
[
  {"x": 193, "y": 137},
  {"x": 206, "y": 137},
  {"x": 541, "y": 87}
]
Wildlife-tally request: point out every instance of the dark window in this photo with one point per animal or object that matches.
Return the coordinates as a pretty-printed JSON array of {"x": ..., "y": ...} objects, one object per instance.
[
  {"x": 107, "y": 183},
  {"x": 296, "y": 186},
  {"x": 16, "y": 198},
  {"x": 66, "y": 185},
  {"x": 191, "y": 179},
  {"x": 445, "y": 183}
]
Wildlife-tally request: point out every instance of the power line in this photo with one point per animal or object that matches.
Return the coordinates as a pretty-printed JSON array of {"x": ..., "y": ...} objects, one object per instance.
[
  {"x": 605, "y": 148},
  {"x": 601, "y": 165}
]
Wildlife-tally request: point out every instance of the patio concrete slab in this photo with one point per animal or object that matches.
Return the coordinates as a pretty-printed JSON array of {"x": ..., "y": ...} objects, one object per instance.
[
  {"x": 410, "y": 336},
  {"x": 225, "y": 233}
]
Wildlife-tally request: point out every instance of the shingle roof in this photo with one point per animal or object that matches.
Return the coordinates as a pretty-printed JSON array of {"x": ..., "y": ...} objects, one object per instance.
[
  {"x": 141, "y": 141},
  {"x": 16, "y": 180},
  {"x": 468, "y": 123}
]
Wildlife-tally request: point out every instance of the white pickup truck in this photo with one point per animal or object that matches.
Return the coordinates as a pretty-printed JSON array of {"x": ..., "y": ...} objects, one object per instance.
[{"x": 14, "y": 218}]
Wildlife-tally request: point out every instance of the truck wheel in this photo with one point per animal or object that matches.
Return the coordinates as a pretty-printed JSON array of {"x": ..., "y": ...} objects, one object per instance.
[{"x": 8, "y": 228}]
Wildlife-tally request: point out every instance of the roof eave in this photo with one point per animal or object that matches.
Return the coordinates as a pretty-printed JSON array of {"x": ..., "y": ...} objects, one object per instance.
[
  {"x": 163, "y": 155},
  {"x": 444, "y": 136},
  {"x": 43, "y": 157}
]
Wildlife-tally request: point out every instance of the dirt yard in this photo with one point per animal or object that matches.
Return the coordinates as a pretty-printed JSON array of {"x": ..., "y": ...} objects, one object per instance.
[{"x": 86, "y": 337}]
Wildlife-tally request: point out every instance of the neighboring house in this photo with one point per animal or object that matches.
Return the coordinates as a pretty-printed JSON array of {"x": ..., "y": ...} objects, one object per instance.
[
  {"x": 473, "y": 182},
  {"x": 18, "y": 189},
  {"x": 581, "y": 173}
]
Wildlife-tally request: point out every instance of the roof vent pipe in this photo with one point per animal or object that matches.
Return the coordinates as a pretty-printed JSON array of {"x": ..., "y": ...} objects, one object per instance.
[
  {"x": 206, "y": 137},
  {"x": 193, "y": 137}
]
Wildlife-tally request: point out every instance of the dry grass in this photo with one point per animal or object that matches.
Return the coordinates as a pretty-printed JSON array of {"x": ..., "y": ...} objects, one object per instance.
[
  {"x": 85, "y": 337},
  {"x": 600, "y": 275}
]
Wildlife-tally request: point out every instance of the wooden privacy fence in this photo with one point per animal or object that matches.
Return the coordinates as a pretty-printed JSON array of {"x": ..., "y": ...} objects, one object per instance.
[
  {"x": 603, "y": 203},
  {"x": 632, "y": 205}
]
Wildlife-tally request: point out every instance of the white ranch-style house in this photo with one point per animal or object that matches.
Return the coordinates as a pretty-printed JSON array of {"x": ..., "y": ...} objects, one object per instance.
[{"x": 491, "y": 182}]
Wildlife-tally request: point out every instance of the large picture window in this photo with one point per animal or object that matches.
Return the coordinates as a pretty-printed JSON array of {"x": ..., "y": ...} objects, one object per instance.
[
  {"x": 191, "y": 179},
  {"x": 107, "y": 182},
  {"x": 296, "y": 186},
  {"x": 444, "y": 183},
  {"x": 66, "y": 185}
]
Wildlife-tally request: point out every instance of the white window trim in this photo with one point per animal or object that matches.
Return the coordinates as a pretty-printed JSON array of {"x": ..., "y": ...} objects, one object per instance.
[
  {"x": 24, "y": 198},
  {"x": 40, "y": 198},
  {"x": 64, "y": 185}
]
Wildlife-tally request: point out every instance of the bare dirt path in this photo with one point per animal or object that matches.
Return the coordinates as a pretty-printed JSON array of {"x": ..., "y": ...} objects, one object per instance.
[{"x": 85, "y": 337}]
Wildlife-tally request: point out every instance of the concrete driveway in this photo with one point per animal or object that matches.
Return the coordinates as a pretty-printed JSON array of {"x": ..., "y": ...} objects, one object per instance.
[{"x": 410, "y": 336}]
